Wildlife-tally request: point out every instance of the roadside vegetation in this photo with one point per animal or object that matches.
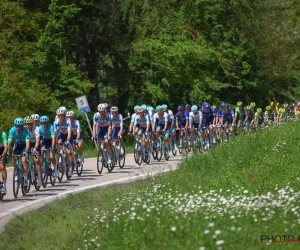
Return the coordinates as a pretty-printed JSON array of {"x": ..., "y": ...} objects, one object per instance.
[{"x": 230, "y": 198}]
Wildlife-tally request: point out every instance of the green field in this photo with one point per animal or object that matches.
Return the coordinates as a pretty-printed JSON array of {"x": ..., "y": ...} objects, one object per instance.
[{"x": 233, "y": 197}]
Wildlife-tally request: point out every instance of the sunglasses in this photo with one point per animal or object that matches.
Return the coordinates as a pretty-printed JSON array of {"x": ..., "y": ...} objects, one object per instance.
[{"x": 18, "y": 126}]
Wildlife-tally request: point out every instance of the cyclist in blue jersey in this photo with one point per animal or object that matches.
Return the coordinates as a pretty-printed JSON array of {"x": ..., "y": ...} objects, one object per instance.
[
  {"x": 227, "y": 117},
  {"x": 62, "y": 129},
  {"x": 102, "y": 129},
  {"x": 34, "y": 139},
  {"x": 130, "y": 131},
  {"x": 76, "y": 133},
  {"x": 208, "y": 118},
  {"x": 48, "y": 141},
  {"x": 182, "y": 121},
  {"x": 171, "y": 124},
  {"x": 21, "y": 145},
  {"x": 187, "y": 108}
]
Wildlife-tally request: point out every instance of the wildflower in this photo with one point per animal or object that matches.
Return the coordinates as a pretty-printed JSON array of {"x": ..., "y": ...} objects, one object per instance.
[
  {"x": 220, "y": 242},
  {"x": 206, "y": 231},
  {"x": 173, "y": 228},
  {"x": 211, "y": 224}
]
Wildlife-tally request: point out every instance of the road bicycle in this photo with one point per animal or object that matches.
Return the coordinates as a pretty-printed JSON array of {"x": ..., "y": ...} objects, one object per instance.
[
  {"x": 32, "y": 171},
  {"x": 18, "y": 178},
  {"x": 47, "y": 170},
  {"x": 102, "y": 158},
  {"x": 62, "y": 164},
  {"x": 119, "y": 152},
  {"x": 78, "y": 163}
]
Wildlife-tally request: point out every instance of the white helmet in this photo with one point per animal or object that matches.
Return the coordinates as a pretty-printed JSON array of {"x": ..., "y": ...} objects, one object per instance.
[
  {"x": 114, "y": 109},
  {"x": 70, "y": 113},
  {"x": 101, "y": 107},
  {"x": 35, "y": 117},
  {"x": 61, "y": 111}
]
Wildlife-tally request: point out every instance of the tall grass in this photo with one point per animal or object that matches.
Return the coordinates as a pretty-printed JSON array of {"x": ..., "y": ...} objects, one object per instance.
[{"x": 230, "y": 198}]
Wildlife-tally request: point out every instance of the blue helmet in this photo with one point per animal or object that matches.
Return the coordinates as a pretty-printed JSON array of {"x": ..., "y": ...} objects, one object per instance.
[
  {"x": 187, "y": 106},
  {"x": 19, "y": 122},
  {"x": 226, "y": 106},
  {"x": 144, "y": 106},
  {"x": 150, "y": 108},
  {"x": 203, "y": 104},
  {"x": 194, "y": 108},
  {"x": 180, "y": 108},
  {"x": 207, "y": 106},
  {"x": 44, "y": 118},
  {"x": 136, "y": 108}
]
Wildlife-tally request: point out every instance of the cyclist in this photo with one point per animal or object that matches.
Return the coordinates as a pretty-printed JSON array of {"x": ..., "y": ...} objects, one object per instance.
[
  {"x": 249, "y": 119},
  {"x": 36, "y": 119},
  {"x": 76, "y": 133},
  {"x": 34, "y": 139},
  {"x": 62, "y": 128},
  {"x": 207, "y": 118},
  {"x": 117, "y": 125},
  {"x": 3, "y": 151},
  {"x": 160, "y": 124},
  {"x": 130, "y": 131},
  {"x": 227, "y": 117},
  {"x": 195, "y": 122},
  {"x": 102, "y": 129},
  {"x": 182, "y": 118},
  {"x": 171, "y": 124},
  {"x": 259, "y": 117},
  {"x": 144, "y": 127},
  {"x": 48, "y": 141},
  {"x": 269, "y": 115},
  {"x": 21, "y": 145},
  {"x": 240, "y": 116}
]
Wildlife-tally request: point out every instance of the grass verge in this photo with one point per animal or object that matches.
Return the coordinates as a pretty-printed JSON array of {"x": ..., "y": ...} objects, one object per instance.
[{"x": 233, "y": 197}]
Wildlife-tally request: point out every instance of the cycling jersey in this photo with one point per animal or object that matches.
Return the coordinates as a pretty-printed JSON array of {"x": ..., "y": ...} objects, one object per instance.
[
  {"x": 3, "y": 139},
  {"x": 227, "y": 117},
  {"x": 195, "y": 117},
  {"x": 117, "y": 121},
  {"x": 47, "y": 134},
  {"x": 75, "y": 127},
  {"x": 160, "y": 118},
  {"x": 104, "y": 121},
  {"x": 21, "y": 137},
  {"x": 62, "y": 126},
  {"x": 207, "y": 116},
  {"x": 182, "y": 118},
  {"x": 133, "y": 118},
  {"x": 142, "y": 121},
  {"x": 34, "y": 133}
]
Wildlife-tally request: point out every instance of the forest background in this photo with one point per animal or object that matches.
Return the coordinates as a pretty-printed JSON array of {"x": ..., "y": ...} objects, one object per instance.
[{"x": 128, "y": 52}]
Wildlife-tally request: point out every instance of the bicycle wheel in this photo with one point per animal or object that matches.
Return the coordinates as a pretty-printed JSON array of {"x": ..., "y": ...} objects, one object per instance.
[
  {"x": 60, "y": 167},
  {"x": 174, "y": 151},
  {"x": 16, "y": 181},
  {"x": 23, "y": 188},
  {"x": 159, "y": 149},
  {"x": 122, "y": 156},
  {"x": 1, "y": 194},
  {"x": 27, "y": 189},
  {"x": 79, "y": 167},
  {"x": 67, "y": 172},
  {"x": 51, "y": 177},
  {"x": 100, "y": 161},
  {"x": 154, "y": 151},
  {"x": 140, "y": 153},
  {"x": 111, "y": 166},
  {"x": 44, "y": 173},
  {"x": 135, "y": 152}
]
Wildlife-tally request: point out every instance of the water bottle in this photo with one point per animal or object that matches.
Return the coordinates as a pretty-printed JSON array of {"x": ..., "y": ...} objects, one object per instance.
[{"x": 128, "y": 114}]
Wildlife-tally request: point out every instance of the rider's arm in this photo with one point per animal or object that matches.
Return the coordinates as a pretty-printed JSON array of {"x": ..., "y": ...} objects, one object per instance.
[
  {"x": 4, "y": 139},
  {"x": 37, "y": 137}
]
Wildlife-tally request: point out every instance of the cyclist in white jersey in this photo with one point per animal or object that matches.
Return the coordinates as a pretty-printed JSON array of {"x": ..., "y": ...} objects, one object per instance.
[
  {"x": 171, "y": 119},
  {"x": 36, "y": 119},
  {"x": 195, "y": 122},
  {"x": 117, "y": 124},
  {"x": 160, "y": 124},
  {"x": 34, "y": 139},
  {"x": 130, "y": 131},
  {"x": 143, "y": 120},
  {"x": 76, "y": 133}
]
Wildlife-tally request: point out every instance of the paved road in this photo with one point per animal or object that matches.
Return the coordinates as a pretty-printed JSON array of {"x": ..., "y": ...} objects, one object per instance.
[{"x": 90, "y": 178}]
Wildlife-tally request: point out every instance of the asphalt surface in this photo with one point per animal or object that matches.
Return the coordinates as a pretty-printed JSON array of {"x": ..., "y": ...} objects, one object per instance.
[{"x": 11, "y": 207}]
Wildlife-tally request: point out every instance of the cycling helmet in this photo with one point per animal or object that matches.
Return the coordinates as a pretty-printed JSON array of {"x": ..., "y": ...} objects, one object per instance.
[
  {"x": 268, "y": 108},
  {"x": 207, "y": 106},
  {"x": 272, "y": 103},
  {"x": 259, "y": 110},
  {"x": 203, "y": 104},
  {"x": 285, "y": 105},
  {"x": 136, "y": 108},
  {"x": 214, "y": 106},
  {"x": 106, "y": 105},
  {"x": 19, "y": 122},
  {"x": 44, "y": 119},
  {"x": 180, "y": 108},
  {"x": 61, "y": 111},
  {"x": 187, "y": 106},
  {"x": 35, "y": 117},
  {"x": 70, "y": 113},
  {"x": 150, "y": 108},
  {"x": 226, "y": 106},
  {"x": 253, "y": 104},
  {"x": 101, "y": 107},
  {"x": 249, "y": 107},
  {"x": 164, "y": 107},
  {"x": 194, "y": 108},
  {"x": 144, "y": 106},
  {"x": 239, "y": 104},
  {"x": 28, "y": 119},
  {"x": 159, "y": 108},
  {"x": 114, "y": 109}
]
